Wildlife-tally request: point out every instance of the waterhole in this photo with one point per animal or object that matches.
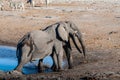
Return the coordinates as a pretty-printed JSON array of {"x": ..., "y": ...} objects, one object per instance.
[{"x": 8, "y": 61}]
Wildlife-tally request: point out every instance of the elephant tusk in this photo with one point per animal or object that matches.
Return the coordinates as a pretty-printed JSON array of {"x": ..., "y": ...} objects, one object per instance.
[
  {"x": 74, "y": 41},
  {"x": 82, "y": 44}
]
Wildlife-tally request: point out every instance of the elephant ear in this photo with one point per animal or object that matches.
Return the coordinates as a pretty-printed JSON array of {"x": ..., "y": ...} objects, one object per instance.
[{"x": 62, "y": 32}]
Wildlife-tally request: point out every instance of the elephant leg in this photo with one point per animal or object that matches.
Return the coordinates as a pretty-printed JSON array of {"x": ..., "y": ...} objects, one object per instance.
[
  {"x": 23, "y": 58},
  {"x": 20, "y": 66},
  {"x": 69, "y": 56},
  {"x": 40, "y": 66},
  {"x": 59, "y": 55},
  {"x": 60, "y": 60},
  {"x": 22, "y": 63},
  {"x": 55, "y": 64}
]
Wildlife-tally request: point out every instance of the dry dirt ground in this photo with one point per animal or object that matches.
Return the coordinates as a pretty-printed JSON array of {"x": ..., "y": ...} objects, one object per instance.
[{"x": 99, "y": 23}]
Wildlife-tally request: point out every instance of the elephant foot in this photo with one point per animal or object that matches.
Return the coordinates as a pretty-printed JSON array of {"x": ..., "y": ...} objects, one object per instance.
[
  {"x": 54, "y": 69},
  {"x": 43, "y": 68},
  {"x": 70, "y": 67},
  {"x": 15, "y": 72},
  {"x": 60, "y": 70},
  {"x": 40, "y": 71}
]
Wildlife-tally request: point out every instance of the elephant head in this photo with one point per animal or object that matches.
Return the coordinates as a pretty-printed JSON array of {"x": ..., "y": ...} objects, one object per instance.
[{"x": 67, "y": 30}]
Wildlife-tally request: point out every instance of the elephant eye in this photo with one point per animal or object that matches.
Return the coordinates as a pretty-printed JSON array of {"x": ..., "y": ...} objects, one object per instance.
[{"x": 65, "y": 28}]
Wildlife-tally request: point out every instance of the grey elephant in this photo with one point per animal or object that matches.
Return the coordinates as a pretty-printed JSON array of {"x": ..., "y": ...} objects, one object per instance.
[
  {"x": 49, "y": 41},
  {"x": 66, "y": 31},
  {"x": 37, "y": 45}
]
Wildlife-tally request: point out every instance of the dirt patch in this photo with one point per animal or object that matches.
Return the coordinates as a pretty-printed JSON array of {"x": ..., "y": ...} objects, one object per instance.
[{"x": 99, "y": 23}]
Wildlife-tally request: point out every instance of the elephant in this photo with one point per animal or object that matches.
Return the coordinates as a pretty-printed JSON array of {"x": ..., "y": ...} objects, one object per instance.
[
  {"x": 37, "y": 45},
  {"x": 65, "y": 31},
  {"x": 49, "y": 41}
]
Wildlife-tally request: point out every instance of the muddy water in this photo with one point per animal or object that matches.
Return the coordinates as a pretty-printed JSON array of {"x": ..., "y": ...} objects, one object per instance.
[{"x": 8, "y": 61}]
